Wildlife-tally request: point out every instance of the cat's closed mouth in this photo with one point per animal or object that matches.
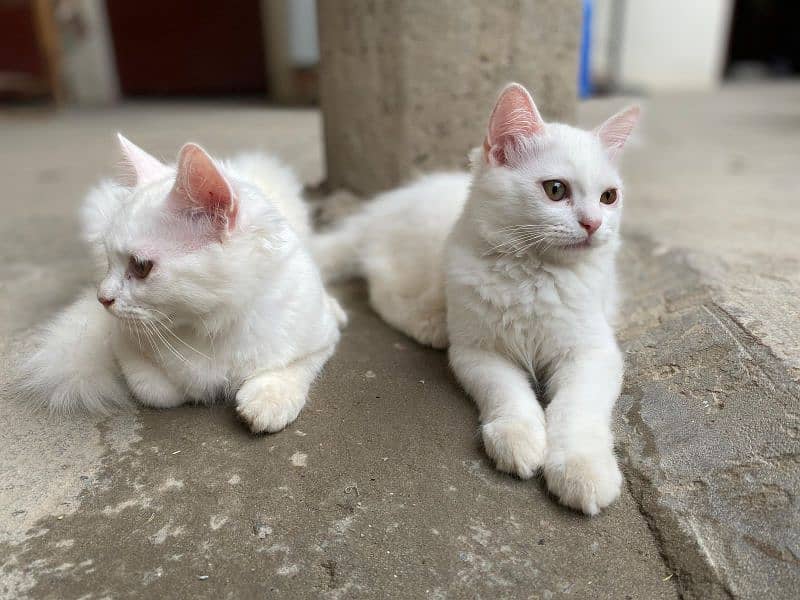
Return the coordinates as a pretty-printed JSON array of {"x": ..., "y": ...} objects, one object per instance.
[{"x": 587, "y": 243}]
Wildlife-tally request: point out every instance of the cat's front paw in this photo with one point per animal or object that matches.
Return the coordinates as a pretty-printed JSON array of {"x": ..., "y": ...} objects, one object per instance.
[
  {"x": 517, "y": 445},
  {"x": 270, "y": 402},
  {"x": 584, "y": 480},
  {"x": 151, "y": 388}
]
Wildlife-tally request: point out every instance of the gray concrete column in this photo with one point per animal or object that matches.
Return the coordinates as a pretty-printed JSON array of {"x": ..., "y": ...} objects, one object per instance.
[{"x": 407, "y": 85}]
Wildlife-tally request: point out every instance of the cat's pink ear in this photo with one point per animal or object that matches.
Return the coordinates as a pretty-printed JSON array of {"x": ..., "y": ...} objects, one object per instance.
[
  {"x": 139, "y": 167},
  {"x": 514, "y": 118},
  {"x": 201, "y": 189},
  {"x": 617, "y": 129}
]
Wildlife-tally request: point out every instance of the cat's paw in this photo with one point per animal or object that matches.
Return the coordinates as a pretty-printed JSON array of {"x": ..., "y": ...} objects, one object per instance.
[
  {"x": 270, "y": 402},
  {"x": 431, "y": 329},
  {"x": 151, "y": 388},
  {"x": 517, "y": 445},
  {"x": 585, "y": 481}
]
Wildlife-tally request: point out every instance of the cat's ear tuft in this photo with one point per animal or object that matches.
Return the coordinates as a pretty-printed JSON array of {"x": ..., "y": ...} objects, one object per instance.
[
  {"x": 615, "y": 131},
  {"x": 514, "y": 118},
  {"x": 201, "y": 189},
  {"x": 138, "y": 167}
]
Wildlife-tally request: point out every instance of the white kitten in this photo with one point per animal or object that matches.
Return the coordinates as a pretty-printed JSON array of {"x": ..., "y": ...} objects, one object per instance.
[
  {"x": 208, "y": 293},
  {"x": 514, "y": 268}
]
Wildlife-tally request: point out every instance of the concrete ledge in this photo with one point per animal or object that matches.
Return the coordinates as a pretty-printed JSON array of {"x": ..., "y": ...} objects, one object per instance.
[{"x": 709, "y": 421}]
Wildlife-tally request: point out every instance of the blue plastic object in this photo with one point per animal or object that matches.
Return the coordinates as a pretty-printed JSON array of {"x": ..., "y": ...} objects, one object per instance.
[{"x": 584, "y": 70}]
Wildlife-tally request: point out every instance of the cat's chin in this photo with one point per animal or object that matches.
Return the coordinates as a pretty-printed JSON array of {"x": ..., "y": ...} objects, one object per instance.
[{"x": 582, "y": 245}]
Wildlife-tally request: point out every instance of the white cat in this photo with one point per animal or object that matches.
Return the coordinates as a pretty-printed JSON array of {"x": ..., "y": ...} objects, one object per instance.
[
  {"x": 514, "y": 268},
  {"x": 208, "y": 292}
]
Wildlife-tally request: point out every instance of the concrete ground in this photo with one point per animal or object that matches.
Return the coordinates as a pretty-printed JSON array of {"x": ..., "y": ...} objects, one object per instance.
[{"x": 380, "y": 488}]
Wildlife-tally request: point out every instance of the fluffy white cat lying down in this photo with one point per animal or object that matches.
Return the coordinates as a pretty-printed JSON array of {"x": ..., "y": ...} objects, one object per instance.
[
  {"x": 208, "y": 292},
  {"x": 513, "y": 268}
]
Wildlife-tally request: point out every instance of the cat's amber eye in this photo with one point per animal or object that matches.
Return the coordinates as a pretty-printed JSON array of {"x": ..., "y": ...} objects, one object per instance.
[
  {"x": 555, "y": 189},
  {"x": 609, "y": 196},
  {"x": 139, "y": 268}
]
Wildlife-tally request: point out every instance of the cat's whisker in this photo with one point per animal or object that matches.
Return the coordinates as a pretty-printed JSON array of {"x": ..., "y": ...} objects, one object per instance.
[
  {"x": 511, "y": 242},
  {"x": 138, "y": 336},
  {"x": 157, "y": 330},
  {"x": 523, "y": 226},
  {"x": 528, "y": 238},
  {"x": 210, "y": 337},
  {"x": 149, "y": 327},
  {"x": 520, "y": 243},
  {"x": 168, "y": 344},
  {"x": 528, "y": 233},
  {"x": 133, "y": 327},
  {"x": 511, "y": 228},
  {"x": 166, "y": 316},
  {"x": 177, "y": 337},
  {"x": 148, "y": 336}
]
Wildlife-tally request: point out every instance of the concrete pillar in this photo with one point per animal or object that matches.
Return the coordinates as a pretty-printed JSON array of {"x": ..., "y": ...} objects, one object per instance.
[{"x": 407, "y": 85}]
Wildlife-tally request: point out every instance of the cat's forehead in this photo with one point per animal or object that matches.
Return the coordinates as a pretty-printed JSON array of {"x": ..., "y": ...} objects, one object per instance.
[
  {"x": 151, "y": 197},
  {"x": 142, "y": 208},
  {"x": 577, "y": 154},
  {"x": 140, "y": 218}
]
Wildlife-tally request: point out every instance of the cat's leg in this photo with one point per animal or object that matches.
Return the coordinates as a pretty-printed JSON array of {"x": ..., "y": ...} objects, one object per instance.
[
  {"x": 581, "y": 468},
  {"x": 148, "y": 384},
  {"x": 431, "y": 318},
  {"x": 421, "y": 316},
  {"x": 512, "y": 421},
  {"x": 270, "y": 400}
]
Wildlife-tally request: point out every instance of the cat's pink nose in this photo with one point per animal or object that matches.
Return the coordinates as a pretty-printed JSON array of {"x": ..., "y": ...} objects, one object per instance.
[
  {"x": 105, "y": 301},
  {"x": 590, "y": 225}
]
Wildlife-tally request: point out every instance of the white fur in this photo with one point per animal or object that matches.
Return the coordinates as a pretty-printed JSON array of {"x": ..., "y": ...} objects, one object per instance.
[
  {"x": 485, "y": 264},
  {"x": 246, "y": 317},
  {"x": 73, "y": 364},
  {"x": 396, "y": 242}
]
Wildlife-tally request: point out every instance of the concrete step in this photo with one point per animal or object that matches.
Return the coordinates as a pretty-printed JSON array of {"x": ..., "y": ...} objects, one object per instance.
[{"x": 709, "y": 431}]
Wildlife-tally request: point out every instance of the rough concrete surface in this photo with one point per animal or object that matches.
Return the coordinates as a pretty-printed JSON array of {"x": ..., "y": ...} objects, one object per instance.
[
  {"x": 407, "y": 86},
  {"x": 711, "y": 406},
  {"x": 710, "y": 425},
  {"x": 716, "y": 178},
  {"x": 381, "y": 489}
]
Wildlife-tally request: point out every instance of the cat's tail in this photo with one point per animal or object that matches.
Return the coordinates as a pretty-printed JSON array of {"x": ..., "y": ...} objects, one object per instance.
[
  {"x": 72, "y": 366},
  {"x": 337, "y": 251}
]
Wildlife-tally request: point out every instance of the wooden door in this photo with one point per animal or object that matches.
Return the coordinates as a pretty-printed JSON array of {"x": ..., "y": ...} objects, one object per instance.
[{"x": 188, "y": 47}]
